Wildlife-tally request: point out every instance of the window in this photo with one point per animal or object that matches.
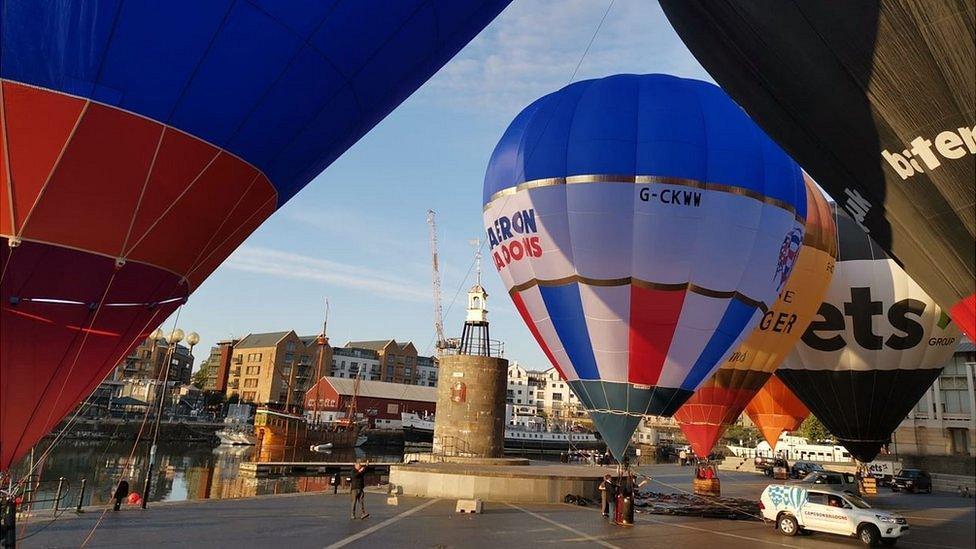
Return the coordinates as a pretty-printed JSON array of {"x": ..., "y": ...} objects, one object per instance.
[
  {"x": 253, "y": 370},
  {"x": 557, "y": 396},
  {"x": 290, "y": 346},
  {"x": 250, "y": 383},
  {"x": 289, "y": 357},
  {"x": 393, "y": 408},
  {"x": 249, "y": 396},
  {"x": 407, "y": 371},
  {"x": 817, "y": 498}
]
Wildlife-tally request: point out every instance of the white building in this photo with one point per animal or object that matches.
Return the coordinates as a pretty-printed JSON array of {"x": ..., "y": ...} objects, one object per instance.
[
  {"x": 558, "y": 400},
  {"x": 521, "y": 390},
  {"x": 349, "y": 361},
  {"x": 426, "y": 371},
  {"x": 943, "y": 422}
]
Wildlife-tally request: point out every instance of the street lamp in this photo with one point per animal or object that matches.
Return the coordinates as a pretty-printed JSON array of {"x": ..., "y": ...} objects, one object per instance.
[{"x": 174, "y": 338}]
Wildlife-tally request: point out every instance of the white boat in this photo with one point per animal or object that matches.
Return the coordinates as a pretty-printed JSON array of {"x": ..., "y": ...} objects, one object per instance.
[
  {"x": 419, "y": 430},
  {"x": 322, "y": 448},
  {"x": 238, "y": 429}
]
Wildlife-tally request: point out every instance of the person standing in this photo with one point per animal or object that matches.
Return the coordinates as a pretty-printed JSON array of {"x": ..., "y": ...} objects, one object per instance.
[
  {"x": 358, "y": 488},
  {"x": 608, "y": 494}
]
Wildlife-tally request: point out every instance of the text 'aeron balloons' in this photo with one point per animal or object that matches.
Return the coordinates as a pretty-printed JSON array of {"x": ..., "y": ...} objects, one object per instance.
[
  {"x": 642, "y": 224},
  {"x": 877, "y": 345},
  {"x": 721, "y": 398},
  {"x": 776, "y": 409},
  {"x": 142, "y": 142}
]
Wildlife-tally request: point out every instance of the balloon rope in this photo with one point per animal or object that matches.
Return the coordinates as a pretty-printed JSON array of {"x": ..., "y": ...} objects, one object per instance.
[{"x": 130, "y": 461}]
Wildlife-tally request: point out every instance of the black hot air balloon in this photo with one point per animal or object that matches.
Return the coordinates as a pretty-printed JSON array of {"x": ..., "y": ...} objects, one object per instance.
[
  {"x": 876, "y": 99},
  {"x": 875, "y": 347}
]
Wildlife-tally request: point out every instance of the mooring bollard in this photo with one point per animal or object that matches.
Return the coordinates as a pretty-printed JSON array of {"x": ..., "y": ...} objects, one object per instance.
[
  {"x": 81, "y": 495},
  {"x": 57, "y": 497}
]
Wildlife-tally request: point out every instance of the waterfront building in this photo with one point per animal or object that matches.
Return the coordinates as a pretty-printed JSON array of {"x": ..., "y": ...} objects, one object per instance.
[
  {"x": 558, "y": 400},
  {"x": 380, "y": 402},
  {"x": 272, "y": 369},
  {"x": 943, "y": 422},
  {"x": 522, "y": 390},
  {"x": 146, "y": 360},
  {"x": 427, "y": 371},
  {"x": 350, "y": 362},
  {"x": 398, "y": 361}
]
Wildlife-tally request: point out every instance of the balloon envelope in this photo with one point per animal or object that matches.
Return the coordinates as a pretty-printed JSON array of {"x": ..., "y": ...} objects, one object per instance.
[
  {"x": 720, "y": 400},
  {"x": 776, "y": 409},
  {"x": 142, "y": 142},
  {"x": 876, "y": 346},
  {"x": 876, "y": 100},
  {"x": 641, "y": 225}
]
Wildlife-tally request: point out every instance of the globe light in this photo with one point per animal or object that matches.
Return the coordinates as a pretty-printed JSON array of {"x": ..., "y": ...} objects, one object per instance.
[
  {"x": 157, "y": 335},
  {"x": 175, "y": 336},
  {"x": 192, "y": 339}
]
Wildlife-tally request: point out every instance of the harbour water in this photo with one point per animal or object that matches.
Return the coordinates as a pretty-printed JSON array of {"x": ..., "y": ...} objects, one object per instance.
[{"x": 183, "y": 471}]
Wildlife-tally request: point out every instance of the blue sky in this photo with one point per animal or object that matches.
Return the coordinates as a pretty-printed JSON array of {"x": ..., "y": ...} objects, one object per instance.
[{"x": 357, "y": 233}]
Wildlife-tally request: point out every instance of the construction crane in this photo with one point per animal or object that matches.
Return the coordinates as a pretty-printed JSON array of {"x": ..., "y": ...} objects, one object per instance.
[{"x": 441, "y": 342}]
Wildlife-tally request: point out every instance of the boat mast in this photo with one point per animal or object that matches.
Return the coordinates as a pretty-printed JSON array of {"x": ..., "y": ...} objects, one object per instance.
[{"x": 322, "y": 341}]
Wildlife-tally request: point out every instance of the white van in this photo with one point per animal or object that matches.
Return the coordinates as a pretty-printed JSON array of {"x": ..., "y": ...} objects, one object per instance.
[{"x": 795, "y": 508}]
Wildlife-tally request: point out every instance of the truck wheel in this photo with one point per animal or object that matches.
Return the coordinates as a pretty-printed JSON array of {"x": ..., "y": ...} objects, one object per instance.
[
  {"x": 869, "y": 535},
  {"x": 787, "y": 525}
]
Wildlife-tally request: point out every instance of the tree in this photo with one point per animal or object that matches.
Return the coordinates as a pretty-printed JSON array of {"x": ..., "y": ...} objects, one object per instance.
[
  {"x": 199, "y": 378},
  {"x": 814, "y": 431},
  {"x": 747, "y": 434}
]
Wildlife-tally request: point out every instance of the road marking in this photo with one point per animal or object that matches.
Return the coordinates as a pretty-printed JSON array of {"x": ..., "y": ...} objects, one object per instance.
[
  {"x": 384, "y": 524},
  {"x": 583, "y": 535},
  {"x": 685, "y": 526}
]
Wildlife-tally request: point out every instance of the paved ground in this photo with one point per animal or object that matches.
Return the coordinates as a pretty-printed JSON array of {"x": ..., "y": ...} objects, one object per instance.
[{"x": 938, "y": 521}]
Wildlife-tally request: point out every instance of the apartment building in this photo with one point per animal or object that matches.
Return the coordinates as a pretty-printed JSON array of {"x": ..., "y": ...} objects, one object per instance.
[
  {"x": 147, "y": 360},
  {"x": 272, "y": 368},
  {"x": 398, "y": 361},
  {"x": 349, "y": 362}
]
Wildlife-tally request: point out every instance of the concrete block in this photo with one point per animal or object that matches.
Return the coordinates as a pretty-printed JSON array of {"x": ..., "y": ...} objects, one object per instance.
[{"x": 468, "y": 506}]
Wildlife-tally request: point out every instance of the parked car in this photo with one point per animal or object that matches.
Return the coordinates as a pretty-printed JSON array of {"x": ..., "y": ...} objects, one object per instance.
[
  {"x": 803, "y": 468},
  {"x": 833, "y": 480},
  {"x": 794, "y": 508},
  {"x": 912, "y": 480}
]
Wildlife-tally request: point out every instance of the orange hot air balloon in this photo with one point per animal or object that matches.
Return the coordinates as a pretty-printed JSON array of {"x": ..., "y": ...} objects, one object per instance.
[
  {"x": 722, "y": 398},
  {"x": 776, "y": 409}
]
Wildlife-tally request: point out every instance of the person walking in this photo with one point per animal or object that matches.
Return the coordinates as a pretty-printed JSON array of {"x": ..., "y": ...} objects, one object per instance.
[
  {"x": 358, "y": 488},
  {"x": 608, "y": 494}
]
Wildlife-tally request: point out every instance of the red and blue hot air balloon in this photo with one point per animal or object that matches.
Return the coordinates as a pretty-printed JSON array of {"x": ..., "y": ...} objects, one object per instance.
[
  {"x": 142, "y": 142},
  {"x": 642, "y": 225}
]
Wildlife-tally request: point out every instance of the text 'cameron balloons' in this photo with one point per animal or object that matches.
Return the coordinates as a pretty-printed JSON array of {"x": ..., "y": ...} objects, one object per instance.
[
  {"x": 877, "y": 345},
  {"x": 719, "y": 401},
  {"x": 142, "y": 142},
  {"x": 642, "y": 225},
  {"x": 877, "y": 101},
  {"x": 776, "y": 409}
]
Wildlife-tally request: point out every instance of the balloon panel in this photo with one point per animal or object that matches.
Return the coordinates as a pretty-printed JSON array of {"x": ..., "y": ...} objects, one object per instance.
[
  {"x": 877, "y": 344},
  {"x": 776, "y": 409},
  {"x": 721, "y": 399},
  {"x": 876, "y": 100},
  {"x": 638, "y": 251},
  {"x": 154, "y": 137}
]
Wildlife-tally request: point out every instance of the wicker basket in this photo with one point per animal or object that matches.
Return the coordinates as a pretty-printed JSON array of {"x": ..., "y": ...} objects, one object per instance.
[{"x": 707, "y": 487}]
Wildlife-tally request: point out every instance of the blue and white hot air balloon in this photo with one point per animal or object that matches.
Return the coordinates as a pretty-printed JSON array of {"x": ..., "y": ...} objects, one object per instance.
[{"x": 642, "y": 225}]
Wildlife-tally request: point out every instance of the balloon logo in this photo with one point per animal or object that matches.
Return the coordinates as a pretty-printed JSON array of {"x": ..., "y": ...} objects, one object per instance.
[
  {"x": 877, "y": 344},
  {"x": 787, "y": 257},
  {"x": 638, "y": 223}
]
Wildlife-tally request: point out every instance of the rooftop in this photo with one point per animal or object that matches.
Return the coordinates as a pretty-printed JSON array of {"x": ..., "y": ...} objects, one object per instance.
[
  {"x": 252, "y": 341},
  {"x": 382, "y": 389},
  {"x": 377, "y": 345}
]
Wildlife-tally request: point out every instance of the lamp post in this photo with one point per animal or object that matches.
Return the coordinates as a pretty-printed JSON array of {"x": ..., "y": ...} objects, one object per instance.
[{"x": 172, "y": 339}]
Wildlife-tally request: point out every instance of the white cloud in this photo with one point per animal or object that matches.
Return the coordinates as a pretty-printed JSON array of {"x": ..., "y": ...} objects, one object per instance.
[
  {"x": 267, "y": 261},
  {"x": 532, "y": 49}
]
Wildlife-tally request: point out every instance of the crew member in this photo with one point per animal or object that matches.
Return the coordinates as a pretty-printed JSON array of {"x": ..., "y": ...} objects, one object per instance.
[
  {"x": 358, "y": 488},
  {"x": 608, "y": 493}
]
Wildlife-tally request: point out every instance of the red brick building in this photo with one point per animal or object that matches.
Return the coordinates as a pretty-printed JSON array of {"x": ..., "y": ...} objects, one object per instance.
[{"x": 379, "y": 401}]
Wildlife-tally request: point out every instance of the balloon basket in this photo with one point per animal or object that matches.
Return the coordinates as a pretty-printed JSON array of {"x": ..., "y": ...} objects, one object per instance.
[{"x": 710, "y": 487}]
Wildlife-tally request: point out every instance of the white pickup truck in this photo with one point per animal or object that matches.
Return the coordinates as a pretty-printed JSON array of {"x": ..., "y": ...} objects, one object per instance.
[{"x": 794, "y": 509}]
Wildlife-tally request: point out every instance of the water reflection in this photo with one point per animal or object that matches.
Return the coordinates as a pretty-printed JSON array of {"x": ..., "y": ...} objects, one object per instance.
[{"x": 185, "y": 471}]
